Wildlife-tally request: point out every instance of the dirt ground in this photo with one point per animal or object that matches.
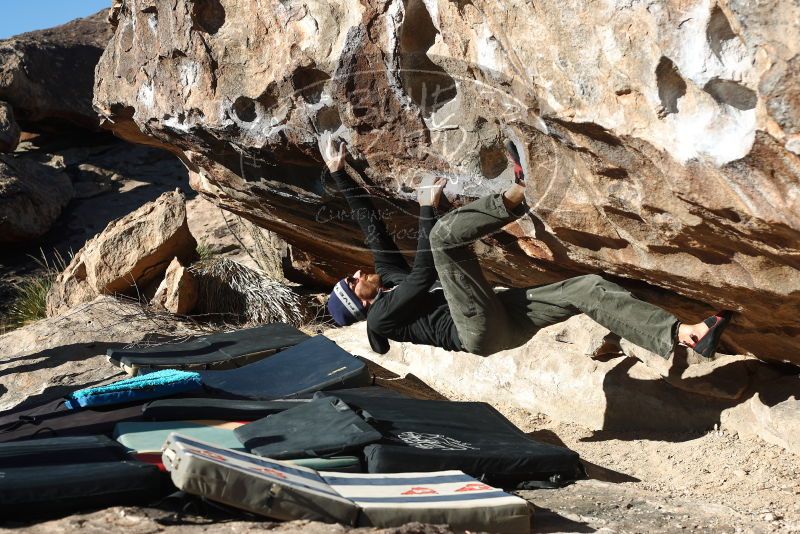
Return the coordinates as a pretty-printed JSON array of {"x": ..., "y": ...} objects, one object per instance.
[{"x": 713, "y": 482}]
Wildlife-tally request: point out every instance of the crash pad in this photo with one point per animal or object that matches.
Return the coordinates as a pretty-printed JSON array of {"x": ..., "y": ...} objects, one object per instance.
[
  {"x": 321, "y": 427},
  {"x": 313, "y": 365},
  {"x": 226, "y": 350}
]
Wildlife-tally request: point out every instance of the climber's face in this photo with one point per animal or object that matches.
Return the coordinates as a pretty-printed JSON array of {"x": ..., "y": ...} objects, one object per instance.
[{"x": 364, "y": 285}]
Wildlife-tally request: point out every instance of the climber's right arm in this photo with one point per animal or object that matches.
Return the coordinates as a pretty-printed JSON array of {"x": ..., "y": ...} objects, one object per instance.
[{"x": 389, "y": 262}]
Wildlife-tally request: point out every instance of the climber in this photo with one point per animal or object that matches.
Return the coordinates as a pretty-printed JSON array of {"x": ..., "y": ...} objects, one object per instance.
[{"x": 461, "y": 311}]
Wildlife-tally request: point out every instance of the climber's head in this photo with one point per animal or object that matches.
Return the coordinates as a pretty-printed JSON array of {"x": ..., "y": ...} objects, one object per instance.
[{"x": 352, "y": 296}]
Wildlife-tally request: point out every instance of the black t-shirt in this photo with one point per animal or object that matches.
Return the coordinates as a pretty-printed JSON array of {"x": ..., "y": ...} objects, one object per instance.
[{"x": 412, "y": 308}]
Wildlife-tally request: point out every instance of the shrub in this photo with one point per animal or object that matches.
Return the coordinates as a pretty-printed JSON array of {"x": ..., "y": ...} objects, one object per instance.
[
  {"x": 30, "y": 295},
  {"x": 204, "y": 252},
  {"x": 30, "y": 301}
]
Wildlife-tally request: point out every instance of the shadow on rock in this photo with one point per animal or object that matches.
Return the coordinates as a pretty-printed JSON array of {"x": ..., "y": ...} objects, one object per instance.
[
  {"x": 410, "y": 385},
  {"x": 55, "y": 372},
  {"x": 54, "y": 392},
  {"x": 56, "y": 356}
]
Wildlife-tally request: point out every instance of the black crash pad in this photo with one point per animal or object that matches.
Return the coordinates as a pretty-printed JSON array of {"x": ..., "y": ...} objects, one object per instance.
[
  {"x": 323, "y": 427},
  {"x": 425, "y": 435},
  {"x": 52, "y": 489},
  {"x": 314, "y": 365},
  {"x": 220, "y": 409},
  {"x": 55, "y": 420},
  {"x": 45, "y": 476},
  {"x": 54, "y": 451},
  {"x": 216, "y": 351}
]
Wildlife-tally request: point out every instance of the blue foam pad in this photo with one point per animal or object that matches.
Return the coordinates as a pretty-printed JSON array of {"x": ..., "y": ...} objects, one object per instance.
[{"x": 149, "y": 386}]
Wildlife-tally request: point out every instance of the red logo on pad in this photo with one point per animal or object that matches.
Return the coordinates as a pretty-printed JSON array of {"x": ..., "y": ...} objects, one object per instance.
[
  {"x": 420, "y": 491},
  {"x": 475, "y": 486},
  {"x": 270, "y": 471}
]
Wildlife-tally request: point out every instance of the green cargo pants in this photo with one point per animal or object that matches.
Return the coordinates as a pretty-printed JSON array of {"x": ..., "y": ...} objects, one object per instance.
[{"x": 489, "y": 320}]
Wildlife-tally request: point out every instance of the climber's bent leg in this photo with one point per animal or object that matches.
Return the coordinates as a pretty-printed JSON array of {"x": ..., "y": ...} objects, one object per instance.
[
  {"x": 479, "y": 316},
  {"x": 478, "y": 219}
]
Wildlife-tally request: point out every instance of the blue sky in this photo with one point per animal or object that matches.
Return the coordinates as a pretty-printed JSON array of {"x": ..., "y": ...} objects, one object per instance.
[{"x": 20, "y": 16}]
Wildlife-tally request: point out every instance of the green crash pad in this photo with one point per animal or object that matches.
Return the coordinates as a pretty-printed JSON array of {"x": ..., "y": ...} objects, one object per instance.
[
  {"x": 149, "y": 436},
  {"x": 345, "y": 464}
]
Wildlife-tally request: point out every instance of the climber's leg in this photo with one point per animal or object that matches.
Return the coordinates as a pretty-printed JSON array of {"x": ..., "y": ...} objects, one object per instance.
[
  {"x": 610, "y": 305},
  {"x": 480, "y": 318}
]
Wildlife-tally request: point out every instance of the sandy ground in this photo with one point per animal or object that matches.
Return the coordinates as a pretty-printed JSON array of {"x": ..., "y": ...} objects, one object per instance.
[{"x": 711, "y": 482}]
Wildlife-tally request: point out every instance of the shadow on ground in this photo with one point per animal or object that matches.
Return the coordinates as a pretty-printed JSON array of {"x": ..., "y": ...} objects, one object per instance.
[
  {"x": 593, "y": 471},
  {"x": 548, "y": 521}
]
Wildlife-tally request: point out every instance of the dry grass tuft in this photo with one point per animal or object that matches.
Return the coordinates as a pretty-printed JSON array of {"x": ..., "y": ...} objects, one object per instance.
[
  {"x": 29, "y": 303},
  {"x": 237, "y": 293}
]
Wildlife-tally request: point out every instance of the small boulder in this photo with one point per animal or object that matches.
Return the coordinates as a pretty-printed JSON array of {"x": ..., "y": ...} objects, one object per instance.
[
  {"x": 177, "y": 293},
  {"x": 772, "y": 414},
  {"x": 9, "y": 130},
  {"x": 32, "y": 195},
  {"x": 69, "y": 288},
  {"x": 130, "y": 253}
]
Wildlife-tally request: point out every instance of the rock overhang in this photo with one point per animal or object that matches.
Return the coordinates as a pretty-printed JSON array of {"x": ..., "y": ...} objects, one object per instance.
[{"x": 654, "y": 152}]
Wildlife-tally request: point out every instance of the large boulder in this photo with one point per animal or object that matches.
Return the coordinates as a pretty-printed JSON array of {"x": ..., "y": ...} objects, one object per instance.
[
  {"x": 131, "y": 253},
  {"x": 772, "y": 414},
  {"x": 9, "y": 129},
  {"x": 48, "y": 75},
  {"x": 32, "y": 195},
  {"x": 661, "y": 141}
]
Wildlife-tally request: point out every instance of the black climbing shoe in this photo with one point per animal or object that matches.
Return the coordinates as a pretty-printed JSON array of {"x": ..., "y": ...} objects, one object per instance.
[
  {"x": 513, "y": 157},
  {"x": 706, "y": 346}
]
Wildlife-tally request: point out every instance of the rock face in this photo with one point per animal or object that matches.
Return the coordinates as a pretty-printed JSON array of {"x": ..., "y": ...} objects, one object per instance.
[
  {"x": 9, "y": 129},
  {"x": 177, "y": 293},
  {"x": 661, "y": 141},
  {"x": 128, "y": 255},
  {"x": 51, "y": 357},
  {"x": 47, "y": 75},
  {"x": 32, "y": 195},
  {"x": 772, "y": 414}
]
